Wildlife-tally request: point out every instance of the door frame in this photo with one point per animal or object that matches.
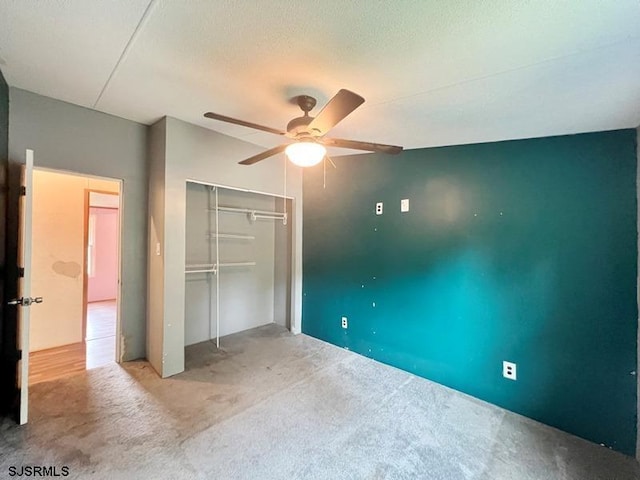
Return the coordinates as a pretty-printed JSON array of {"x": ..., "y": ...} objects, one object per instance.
[
  {"x": 120, "y": 183},
  {"x": 25, "y": 249},
  {"x": 85, "y": 275}
]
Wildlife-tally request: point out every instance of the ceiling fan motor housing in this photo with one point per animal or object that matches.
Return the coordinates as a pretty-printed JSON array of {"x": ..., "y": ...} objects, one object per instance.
[
  {"x": 299, "y": 126},
  {"x": 306, "y": 103}
]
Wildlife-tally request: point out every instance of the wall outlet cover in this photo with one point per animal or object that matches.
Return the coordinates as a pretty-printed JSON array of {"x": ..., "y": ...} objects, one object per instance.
[
  {"x": 345, "y": 322},
  {"x": 379, "y": 208},
  {"x": 404, "y": 205},
  {"x": 509, "y": 370}
]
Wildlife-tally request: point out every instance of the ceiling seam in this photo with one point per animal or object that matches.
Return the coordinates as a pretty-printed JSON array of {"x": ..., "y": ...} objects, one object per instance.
[
  {"x": 125, "y": 51},
  {"x": 484, "y": 77},
  {"x": 496, "y": 74}
]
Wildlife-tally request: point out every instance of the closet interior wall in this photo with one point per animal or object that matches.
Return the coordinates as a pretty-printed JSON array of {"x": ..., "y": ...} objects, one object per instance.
[
  {"x": 282, "y": 265},
  {"x": 256, "y": 288}
]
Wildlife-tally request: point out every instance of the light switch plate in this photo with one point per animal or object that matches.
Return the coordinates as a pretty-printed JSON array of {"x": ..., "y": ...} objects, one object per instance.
[{"x": 404, "y": 205}]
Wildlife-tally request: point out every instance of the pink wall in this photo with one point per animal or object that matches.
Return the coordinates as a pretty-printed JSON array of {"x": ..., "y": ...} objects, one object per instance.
[{"x": 104, "y": 284}]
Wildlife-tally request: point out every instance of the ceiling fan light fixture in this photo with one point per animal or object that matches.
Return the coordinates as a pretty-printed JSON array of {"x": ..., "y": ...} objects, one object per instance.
[
  {"x": 305, "y": 153},
  {"x": 309, "y": 133}
]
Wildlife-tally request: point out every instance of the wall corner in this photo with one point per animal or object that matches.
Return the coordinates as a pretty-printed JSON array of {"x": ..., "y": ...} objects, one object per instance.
[
  {"x": 638, "y": 294},
  {"x": 155, "y": 264}
]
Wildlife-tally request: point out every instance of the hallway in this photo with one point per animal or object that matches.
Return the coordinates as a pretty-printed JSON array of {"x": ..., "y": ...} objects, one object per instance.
[
  {"x": 101, "y": 333},
  {"x": 98, "y": 350}
]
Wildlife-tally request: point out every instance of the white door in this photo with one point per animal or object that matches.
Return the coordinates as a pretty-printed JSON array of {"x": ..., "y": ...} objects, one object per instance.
[{"x": 24, "y": 300}]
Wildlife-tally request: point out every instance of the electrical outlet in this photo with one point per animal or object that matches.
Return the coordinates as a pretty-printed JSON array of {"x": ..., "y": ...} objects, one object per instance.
[
  {"x": 345, "y": 322},
  {"x": 379, "y": 208},
  {"x": 404, "y": 205},
  {"x": 509, "y": 370}
]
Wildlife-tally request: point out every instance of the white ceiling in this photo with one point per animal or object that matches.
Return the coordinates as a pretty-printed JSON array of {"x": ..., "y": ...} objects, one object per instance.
[{"x": 432, "y": 73}]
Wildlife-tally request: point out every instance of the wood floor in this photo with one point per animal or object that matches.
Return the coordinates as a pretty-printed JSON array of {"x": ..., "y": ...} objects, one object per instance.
[
  {"x": 53, "y": 363},
  {"x": 101, "y": 333}
]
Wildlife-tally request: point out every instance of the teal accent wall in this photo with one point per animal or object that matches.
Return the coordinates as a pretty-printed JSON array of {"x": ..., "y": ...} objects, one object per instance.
[{"x": 523, "y": 251}]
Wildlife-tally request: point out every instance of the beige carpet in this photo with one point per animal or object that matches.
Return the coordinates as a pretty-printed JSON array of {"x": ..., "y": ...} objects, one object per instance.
[{"x": 271, "y": 405}]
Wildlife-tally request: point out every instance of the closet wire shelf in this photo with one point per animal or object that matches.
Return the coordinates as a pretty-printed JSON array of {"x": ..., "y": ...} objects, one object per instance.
[
  {"x": 254, "y": 214},
  {"x": 214, "y": 267}
]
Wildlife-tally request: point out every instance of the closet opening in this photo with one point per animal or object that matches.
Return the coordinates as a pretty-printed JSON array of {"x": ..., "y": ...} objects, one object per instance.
[{"x": 238, "y": 261}]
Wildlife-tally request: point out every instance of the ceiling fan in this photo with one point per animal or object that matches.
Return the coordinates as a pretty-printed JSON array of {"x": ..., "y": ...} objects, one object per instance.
[{"x": 309, "y": 133}]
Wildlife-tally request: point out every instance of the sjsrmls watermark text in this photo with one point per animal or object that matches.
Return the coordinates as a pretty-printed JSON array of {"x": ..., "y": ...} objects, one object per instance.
[{"x": 39, "y": 471}]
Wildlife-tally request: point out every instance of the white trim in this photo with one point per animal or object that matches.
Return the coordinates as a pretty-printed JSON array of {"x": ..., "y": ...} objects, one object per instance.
[
  {"x": 77, "y": 174},
  {"x": 25, "y": 284},
  {"x": 119, "y": 336}
]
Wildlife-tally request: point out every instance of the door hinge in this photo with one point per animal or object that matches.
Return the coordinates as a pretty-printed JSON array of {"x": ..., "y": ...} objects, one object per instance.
[
  {"x": 23, "y": 190},
  {"x": 21, "y": 272}
]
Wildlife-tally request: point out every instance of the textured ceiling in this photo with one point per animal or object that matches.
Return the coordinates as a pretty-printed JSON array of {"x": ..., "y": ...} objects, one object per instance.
[{"x": 433, "y": 73}]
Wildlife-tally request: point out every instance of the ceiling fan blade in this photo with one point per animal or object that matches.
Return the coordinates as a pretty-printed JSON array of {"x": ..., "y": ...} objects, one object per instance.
[
  {"x": 367, "y": 146},
  {"x": 261, "y": 156},
  {"x": 342, "y": 104},
  {"x": 223, "y": 118}
]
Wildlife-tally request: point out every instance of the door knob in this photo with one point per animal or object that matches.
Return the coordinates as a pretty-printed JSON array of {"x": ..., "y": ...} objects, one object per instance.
[{"x": 25, "y": 301}]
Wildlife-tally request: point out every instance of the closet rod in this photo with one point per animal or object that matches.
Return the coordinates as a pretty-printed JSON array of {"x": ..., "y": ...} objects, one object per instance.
[
  {"x": 200, "y": 265},
  {"x": 237, "y": 264},
  {"x": 209, "y": 270},
  {"x": 278, "y": 216},
  {"x": 230, "y": 235},
  {"x": 250, "y": 211},
  {"x": 213, "y": 268}
]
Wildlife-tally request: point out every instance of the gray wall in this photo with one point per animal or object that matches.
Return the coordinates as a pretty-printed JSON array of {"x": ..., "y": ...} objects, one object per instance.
[
  {"x": 75, "y": 139},
  {"x": 155, "y": 279},
  {"x": 195, "y": 153}
]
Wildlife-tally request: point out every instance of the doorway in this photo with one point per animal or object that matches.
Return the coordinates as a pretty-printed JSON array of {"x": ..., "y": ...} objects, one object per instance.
[
  {"x": 102, "y": 212},
  {"x": 75, "y": 266}
]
